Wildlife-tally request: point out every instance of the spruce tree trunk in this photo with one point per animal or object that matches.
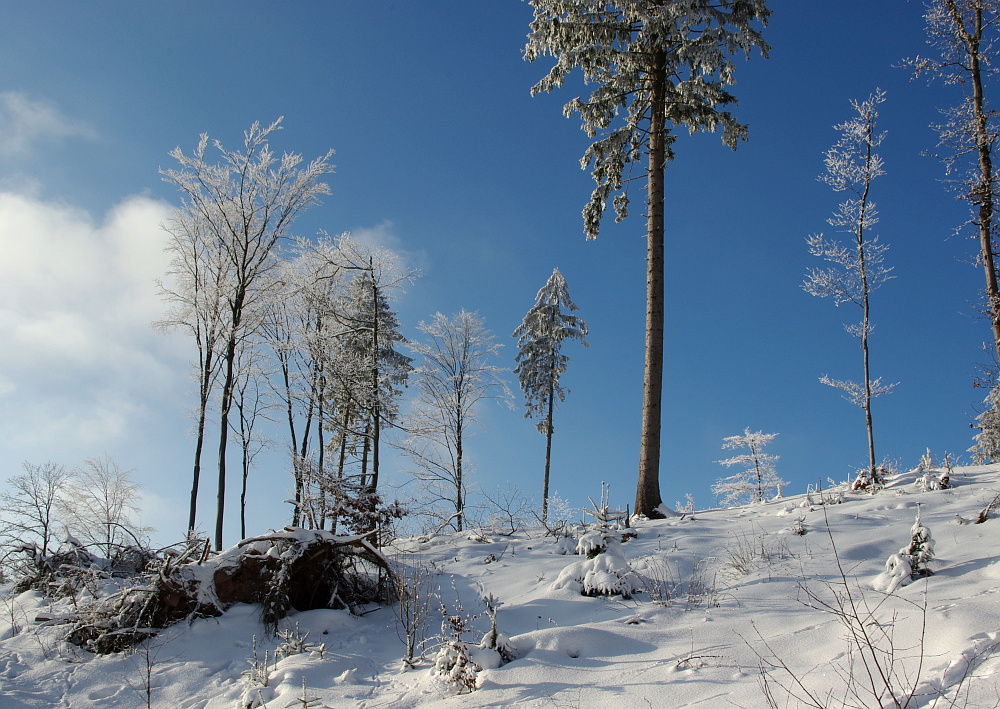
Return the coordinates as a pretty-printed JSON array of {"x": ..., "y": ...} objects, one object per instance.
[
  {"x": 376, "y": 409},
  {"x": 548, "y": 453},
  {"x": 647, "y": 496}
]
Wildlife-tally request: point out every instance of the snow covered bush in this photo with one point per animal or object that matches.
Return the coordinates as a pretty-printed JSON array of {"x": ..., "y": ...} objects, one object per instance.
[
  {"x": 494, "y": 640},
  {"x": 294, "y": 642},
  {"x": 605, "y": 572},
  {"x": 927, "y": 478},
  {"x": 415, "y": 597},
  {"x": 920, "y": 550},
  {"x": 454, "y": 665},
  {"x": 910, "y": 562}
]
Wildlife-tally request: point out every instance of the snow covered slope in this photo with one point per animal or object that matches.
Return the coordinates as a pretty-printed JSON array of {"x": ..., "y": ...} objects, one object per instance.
[{"x": 737, "y": 596}]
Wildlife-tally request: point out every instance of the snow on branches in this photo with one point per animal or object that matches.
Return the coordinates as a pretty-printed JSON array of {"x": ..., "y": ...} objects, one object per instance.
[{"x": 758, "y": 477}]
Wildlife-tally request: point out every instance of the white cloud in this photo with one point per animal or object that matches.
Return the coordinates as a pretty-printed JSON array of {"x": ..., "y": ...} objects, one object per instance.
[
  {"x": 80, "y": 361},
  {"x": 25, "y": 122},
  {"x": 383, "y": 236}
]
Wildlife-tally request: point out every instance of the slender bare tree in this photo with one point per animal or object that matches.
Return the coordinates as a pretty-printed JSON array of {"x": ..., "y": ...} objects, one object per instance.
[
  {"x": 963, "y": 34},
  {"x": 858, "y": 267},
  {"x": 30, "y": 508},
  {"x": 454, "y": 376}
]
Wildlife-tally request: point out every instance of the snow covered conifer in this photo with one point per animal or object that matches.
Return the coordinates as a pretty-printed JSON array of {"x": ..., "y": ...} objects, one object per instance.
[
  {"x": 987, "y": 441},
  {"x": 656, "y": 66},
  {"x": 758, "y": 477},
  {"x": 920, "y": 550},
  {"x": 540, "y": 361}
]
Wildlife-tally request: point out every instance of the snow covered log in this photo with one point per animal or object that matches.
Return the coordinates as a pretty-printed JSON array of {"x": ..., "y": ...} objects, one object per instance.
[{"x": 290, "y": 570}]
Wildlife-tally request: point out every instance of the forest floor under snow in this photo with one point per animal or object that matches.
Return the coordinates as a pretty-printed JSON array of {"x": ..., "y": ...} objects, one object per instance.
[{"x": 745, "y": 607}]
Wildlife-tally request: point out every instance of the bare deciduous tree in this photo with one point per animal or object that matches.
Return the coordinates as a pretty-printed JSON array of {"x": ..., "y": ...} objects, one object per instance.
[
  {"x": 858, "y": 269},
  {"x": 963, "y": 33},
  {"x": 245, "y": 205},
  {"x": 30, "y": 507},
  {"x": 454, "y": 376},
  {"x": 101, "y": 506}
]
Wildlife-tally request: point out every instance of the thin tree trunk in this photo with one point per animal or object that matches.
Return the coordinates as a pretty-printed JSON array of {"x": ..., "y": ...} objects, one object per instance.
[
  {"x": 865, "y": 323},
  {"x": 227, "y": 398},
  {"x": 985, "y": 196},
  {"x": 459, "y": 428},
  {"x": 647, "y": 497},
  {"x": 376, "y": 410},
  {"x": 290, "y": 412},
  {"x": 548, "y": 452},
  {"x": 196, "y": 477}
]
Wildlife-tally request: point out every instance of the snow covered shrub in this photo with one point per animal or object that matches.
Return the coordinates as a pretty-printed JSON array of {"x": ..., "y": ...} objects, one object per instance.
[
  {"x": 910, "y": 562},
  {"x": 816, "y": 495},
  {"x": 746, "y": 551},
  {"x": 414, "y": 598},
  {"x": 558, "y": 520},
  {"x": 294, "y": 642},
  {"x": 507, "y": 511},
  {"x": 657, "y": 578},
  {"x": 688, "y": 506},
  {"x": 920, "y": 550},
  {"x": 259, "y": 673},
  {"x": 494, "y": 640},
  {"x": 603, "y": 573},
  {"x": 453, "y": 664}
]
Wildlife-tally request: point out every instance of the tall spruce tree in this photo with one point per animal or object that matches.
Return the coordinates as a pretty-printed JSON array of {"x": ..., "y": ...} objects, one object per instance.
[
  {"x": 540, "y": 362},
  {"x": 658, "y": 66}
]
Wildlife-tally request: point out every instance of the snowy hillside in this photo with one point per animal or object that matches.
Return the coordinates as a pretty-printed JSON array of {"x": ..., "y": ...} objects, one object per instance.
[{"x": 733, "y": 591}]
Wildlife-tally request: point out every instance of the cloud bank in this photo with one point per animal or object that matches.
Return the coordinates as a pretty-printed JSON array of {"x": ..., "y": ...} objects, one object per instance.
[{"x": 80, "y": 361}]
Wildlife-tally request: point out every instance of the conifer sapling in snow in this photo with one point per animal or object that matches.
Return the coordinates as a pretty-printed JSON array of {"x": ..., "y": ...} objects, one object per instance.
[
  {"x": 758, "y": 477},
  {"x": 540, "y": 362},
  {"x": 920, "y": 550}
]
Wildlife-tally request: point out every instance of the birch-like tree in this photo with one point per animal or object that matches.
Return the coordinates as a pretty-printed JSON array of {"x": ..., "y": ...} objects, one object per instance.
[
  {"x": 963, "y": 36},
  {"x": 857, "y": 266},
  {"x": 454, "y": 376},
  {"x": 758, "y": 476},
  {"x": 658, "y": 67},
  {"x": 301, "y": 326},
  {"x": 100, "y": 506},
  {"x": 30, "y": 507},
  {"x": 245, "y": 205},
  {"x": 540, "y": 361},
  {"x": 194, "y": 292}
]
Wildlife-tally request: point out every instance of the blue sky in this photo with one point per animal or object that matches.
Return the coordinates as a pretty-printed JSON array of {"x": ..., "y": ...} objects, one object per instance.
[{"x": 442, "y": 154}]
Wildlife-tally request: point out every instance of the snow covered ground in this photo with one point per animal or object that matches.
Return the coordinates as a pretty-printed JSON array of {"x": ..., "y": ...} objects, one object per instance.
[{"x": 748, "y": 592}]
